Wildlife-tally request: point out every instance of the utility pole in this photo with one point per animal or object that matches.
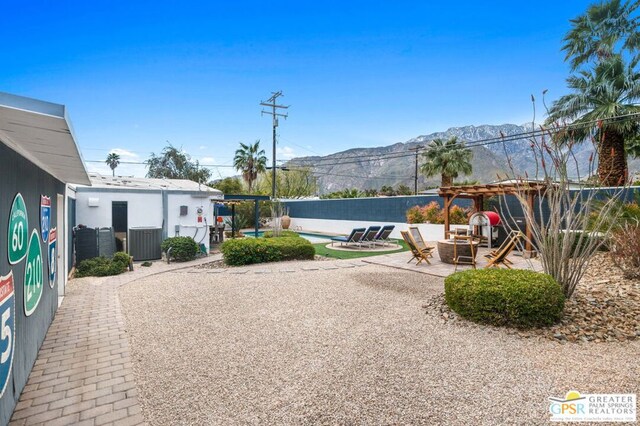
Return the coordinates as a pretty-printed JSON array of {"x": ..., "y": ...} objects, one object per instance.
[
  {"x": 415, "y": 175},
  {"x": 271, "y": 103}
]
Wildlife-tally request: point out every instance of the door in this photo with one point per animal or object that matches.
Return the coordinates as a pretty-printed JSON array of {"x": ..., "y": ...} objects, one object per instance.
[
  {"x": 61, "y": 275},
  {"x": 119, "y": 216},
  {"x": 120, "y": 224}
]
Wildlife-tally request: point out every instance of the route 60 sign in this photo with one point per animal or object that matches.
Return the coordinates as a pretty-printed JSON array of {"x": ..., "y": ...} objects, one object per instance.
[
  {"x": 7, "y": 329},
  {"x": 18, "y": 230}
]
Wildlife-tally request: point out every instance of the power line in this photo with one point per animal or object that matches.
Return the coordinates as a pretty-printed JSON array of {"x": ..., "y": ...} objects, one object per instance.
[{"x": 271, "y": 103}]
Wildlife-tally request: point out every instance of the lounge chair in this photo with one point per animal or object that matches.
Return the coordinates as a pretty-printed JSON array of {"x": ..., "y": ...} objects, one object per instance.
[
  {"x": 500, "y": 256},
  {"x": 383, "y": 236},
  {"x": 355, "y": 237},
  {"x": 418, "y": 253},
  {"x": 420, "y": 242},
  {"x": 369, "y": 236}
]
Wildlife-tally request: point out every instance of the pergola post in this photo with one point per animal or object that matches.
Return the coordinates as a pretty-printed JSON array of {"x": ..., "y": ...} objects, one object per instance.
[
  {"x": 256, "y": 211},
  {"x": 528, "y": 249},
  {"x": 447, "y": 206}
]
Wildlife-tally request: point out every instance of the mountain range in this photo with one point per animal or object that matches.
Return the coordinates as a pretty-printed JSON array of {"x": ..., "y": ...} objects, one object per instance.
[{"x": 366, "y": 168}]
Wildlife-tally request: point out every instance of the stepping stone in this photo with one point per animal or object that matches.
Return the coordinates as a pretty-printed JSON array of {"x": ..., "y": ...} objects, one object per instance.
[
  {"x": 330, "y": 268},
  {"x": 215, "y": 271},
  {"x": 243, "y": 271},
  {"x": 287, "y": 270},
  {"x": 310, "y": 268},
  {"x": 263, "y": 271},
  {"x": 347, "y": 265}
]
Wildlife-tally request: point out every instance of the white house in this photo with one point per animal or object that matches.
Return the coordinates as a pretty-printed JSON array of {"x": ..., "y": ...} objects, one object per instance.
[{"x": 178, "y": 206}]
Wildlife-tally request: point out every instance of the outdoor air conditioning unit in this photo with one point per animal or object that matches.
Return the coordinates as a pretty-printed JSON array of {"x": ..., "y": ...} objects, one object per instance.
[{"x": 93, "y": 202}]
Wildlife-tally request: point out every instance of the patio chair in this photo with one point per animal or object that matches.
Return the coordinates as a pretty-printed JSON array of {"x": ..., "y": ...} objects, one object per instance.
[
  {"x": 369, "y": 236},
  {"x": 506, "y": 241},
  {"x": 354, "y": 237},
  {"x": 500, "y": 256},
  {"x": 418, "y": 253},
  {"x": 417, "y": 237},
  {"x": 466, "y": 258},
  {"x": 383, "y": 236}
]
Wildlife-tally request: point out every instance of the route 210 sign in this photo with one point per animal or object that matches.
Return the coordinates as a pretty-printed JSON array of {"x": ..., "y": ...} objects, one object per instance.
[
  {"x": 7, "y": 329},
  {"x": 45, "y": 217}
]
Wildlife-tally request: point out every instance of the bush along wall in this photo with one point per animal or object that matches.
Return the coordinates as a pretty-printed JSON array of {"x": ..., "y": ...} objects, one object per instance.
[
  {"x": 247, "y": 251},
  {"x": 103, "y": 266},
  {"x": 183, "y": 249},
  {"x": 505, "y": 297}
]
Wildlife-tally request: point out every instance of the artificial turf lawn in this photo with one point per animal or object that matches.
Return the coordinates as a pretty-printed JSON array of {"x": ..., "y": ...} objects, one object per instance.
[{"x": 321, "y": 250}]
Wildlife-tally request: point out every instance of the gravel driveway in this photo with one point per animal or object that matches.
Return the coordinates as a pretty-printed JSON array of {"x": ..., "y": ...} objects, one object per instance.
[{"x": 343, "y": 346}]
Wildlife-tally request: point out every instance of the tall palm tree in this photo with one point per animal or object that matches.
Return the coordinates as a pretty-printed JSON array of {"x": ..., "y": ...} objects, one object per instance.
[
  {"x": 250, "y": 160},
  {"x": 605, "y": 29},
  {"x": 610, "y": 90},
  {"x": 113, "y": 160},
  {"x": 447, "y": 158}
]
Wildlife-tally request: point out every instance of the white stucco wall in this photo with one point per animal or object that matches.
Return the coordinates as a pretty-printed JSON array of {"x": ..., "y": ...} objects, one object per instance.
[
  {"x": 430, "y": 232},
  {"x": 145, "y": 210}
]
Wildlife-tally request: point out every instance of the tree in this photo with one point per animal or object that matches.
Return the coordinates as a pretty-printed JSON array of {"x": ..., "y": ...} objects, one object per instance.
[
  {"x": 605, "y": 29},
  {"x": 290, "y": 183},
  {"x": 228, "y": 185},
  {"x": 113, "y": 160},
  {"x": 250, "y": 160},
  {"x": 448, "y": 159},
  {"x": 173, "y": 163},
  {"x": 610, "y": 90},
  {"x": 387, "y": 191},
  {"x": 403, "y": 189}
]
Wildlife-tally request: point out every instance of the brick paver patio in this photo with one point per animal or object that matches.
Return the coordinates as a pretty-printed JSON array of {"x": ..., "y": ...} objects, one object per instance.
[{"x": 83, "y": 373}]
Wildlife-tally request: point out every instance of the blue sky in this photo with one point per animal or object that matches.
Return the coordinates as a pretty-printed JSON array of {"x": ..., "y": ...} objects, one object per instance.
[{"x": 367, "y": 73}]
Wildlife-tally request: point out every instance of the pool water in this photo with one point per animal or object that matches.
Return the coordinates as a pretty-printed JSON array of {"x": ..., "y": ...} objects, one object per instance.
[{"x": 313, "y": 238}]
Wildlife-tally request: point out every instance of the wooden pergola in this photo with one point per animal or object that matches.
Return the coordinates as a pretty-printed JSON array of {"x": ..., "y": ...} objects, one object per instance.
[{"x": 478, "y": 193}]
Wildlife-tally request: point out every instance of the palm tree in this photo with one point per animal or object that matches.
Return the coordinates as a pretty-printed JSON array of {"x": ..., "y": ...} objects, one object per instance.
[
  {"x": 603, "y": 30},
  {"x": 448, "y": 159},
  {"x": 610, "y": 90},
  {"x": 113, "y": 160},
  {"x": 250, "y": 160}
]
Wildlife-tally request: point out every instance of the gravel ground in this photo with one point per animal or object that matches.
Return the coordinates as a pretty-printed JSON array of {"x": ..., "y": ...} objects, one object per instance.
[{"x": 345, "y": 346}]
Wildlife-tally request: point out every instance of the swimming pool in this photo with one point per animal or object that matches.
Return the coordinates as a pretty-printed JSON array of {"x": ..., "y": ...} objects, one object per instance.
[{"x": 313, "y": 238}]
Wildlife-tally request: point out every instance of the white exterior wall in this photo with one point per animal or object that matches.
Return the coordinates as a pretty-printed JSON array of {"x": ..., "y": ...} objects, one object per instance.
[
  {"x": 430, "y": 232},
  {"x": 189, "y": 225},
  {"x": 143, "y": 209}
]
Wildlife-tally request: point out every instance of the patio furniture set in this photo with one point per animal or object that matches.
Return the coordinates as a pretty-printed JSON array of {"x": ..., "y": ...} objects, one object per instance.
[
  {"x": 460, "y": 249},
  {"x": 366, "y": 237}
]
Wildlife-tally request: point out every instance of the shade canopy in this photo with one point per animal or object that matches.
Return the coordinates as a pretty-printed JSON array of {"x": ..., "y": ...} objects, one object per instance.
[{"x": 42, "y": 133}]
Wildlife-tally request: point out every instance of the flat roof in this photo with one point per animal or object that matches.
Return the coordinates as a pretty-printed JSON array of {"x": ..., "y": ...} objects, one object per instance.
[
  {"x": 124, "y": 183},
  {"x": 42, "y": 133}
]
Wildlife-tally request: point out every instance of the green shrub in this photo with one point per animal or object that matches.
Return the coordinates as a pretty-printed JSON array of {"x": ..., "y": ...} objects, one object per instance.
[
  {"x": 258, "y": 250},
  {"x": 122, "y": 258},
  {"x": 505, "y": 297},
  {"x": 183, "y": 248},
  {"x": 283, "y": 233},
  {"x": 99, "y": 267},
  {"x": 146, "y": 264}
]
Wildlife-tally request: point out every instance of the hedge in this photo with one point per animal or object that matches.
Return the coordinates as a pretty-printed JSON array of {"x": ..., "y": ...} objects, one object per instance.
[
  {"x": 102, "y": 266},
  {"x": 283, "y": 233},
  {"x": 182, "y": 248},
  {"x": 246, "y": 251},
  {"x": 505, "y": 297}
]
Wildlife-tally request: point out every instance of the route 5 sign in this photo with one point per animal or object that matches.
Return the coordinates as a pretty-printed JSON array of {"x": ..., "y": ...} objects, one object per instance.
[{"x": 7, "y": 329}]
